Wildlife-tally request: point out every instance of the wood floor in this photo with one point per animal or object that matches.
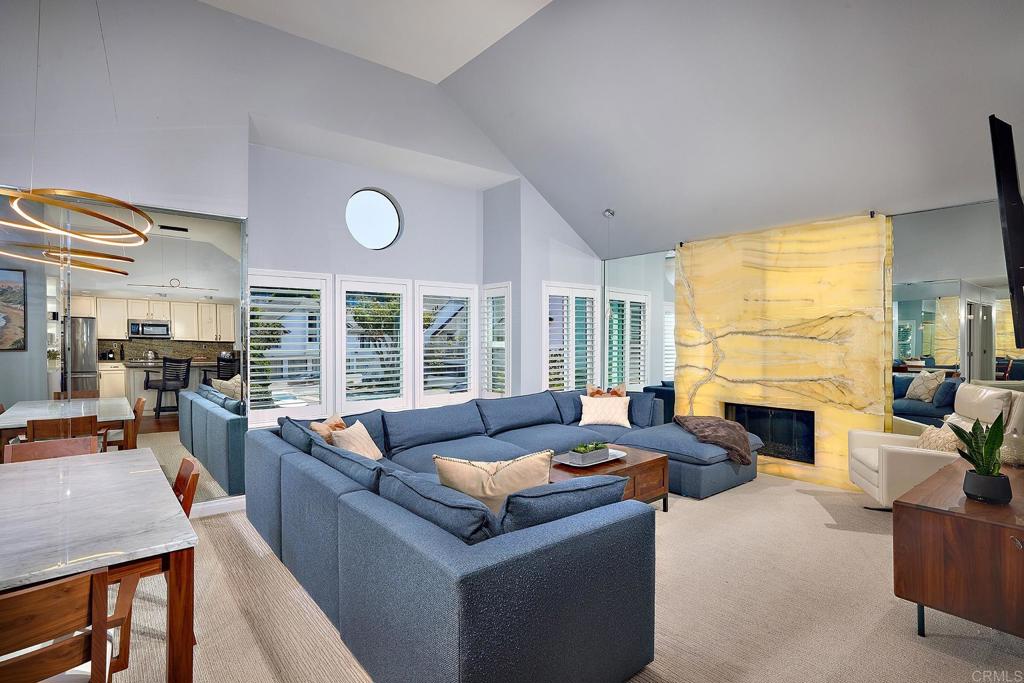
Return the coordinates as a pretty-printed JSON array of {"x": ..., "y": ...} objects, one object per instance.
[{"x": 151, "y": 425}]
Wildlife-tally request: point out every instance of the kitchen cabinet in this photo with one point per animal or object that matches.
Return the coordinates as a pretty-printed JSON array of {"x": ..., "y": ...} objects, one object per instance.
[
  {"x": 207, "y": 322},
  {"x": 83, "y": 306},
  {"x": 111, "y": 318},
  {"x": 160, "y": 310},
  {"x": 111, "y": 379},
  {"x": 225, "y": 323},
  {"x": 144, "y": 309},
  {"x": 185, "y": 320}
]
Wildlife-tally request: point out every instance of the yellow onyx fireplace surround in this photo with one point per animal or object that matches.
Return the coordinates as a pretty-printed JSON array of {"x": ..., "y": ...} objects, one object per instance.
[{"x": 796, "y": 317}]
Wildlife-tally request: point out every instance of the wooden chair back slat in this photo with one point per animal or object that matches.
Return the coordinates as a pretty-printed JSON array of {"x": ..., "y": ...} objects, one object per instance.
[
  {"x": 185, "y": 483},
  {"x": 39, "y": 614},
  {"x": 61, "y": 428},
  {"x": 54, "y": 448},
  {"x": 81, "y": 393}
]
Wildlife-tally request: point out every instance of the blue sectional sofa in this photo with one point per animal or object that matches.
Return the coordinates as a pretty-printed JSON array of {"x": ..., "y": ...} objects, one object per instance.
[
  {"x": 926, "y": 412},
  {"x": 211, "y": 427},
  {"x": 666, "y": 391}
]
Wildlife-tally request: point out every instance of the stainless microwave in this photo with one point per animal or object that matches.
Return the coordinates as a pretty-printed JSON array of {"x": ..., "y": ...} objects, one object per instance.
[{"x": 149, "y": 329}]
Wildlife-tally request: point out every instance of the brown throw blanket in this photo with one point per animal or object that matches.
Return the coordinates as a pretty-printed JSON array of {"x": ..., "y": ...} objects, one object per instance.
[{"x": 721, "y": 432}]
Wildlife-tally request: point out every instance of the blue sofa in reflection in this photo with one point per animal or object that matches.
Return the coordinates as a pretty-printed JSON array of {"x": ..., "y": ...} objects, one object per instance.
[
  {"x": 925, "y": 412},
  {"x": 212, "y": 427}
]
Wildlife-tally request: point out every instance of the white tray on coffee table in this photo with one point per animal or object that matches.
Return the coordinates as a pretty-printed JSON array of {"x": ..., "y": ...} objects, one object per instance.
[{"x": 571, "y": 459}]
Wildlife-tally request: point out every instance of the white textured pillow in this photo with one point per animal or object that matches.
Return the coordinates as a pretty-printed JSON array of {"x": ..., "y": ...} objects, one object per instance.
[
  {"x": 924, "y": 386},
  {"x": 357, "y": 440},
  {"x": 492, "y": 482},
  {"x": 232, "y": 388},
  {"x": 939, "y": 439},
  {"x": 605, "y": 410}
]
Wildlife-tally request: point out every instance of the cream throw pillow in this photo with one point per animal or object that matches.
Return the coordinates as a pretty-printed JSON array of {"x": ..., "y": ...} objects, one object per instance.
[
  {"x": 939, "y": 439},
  {"x": 327, "y": 427},
  {"x": 605, "y": 410},
  {"x": 357, "y": 440},
  {"x": 925, "y": 384},
  {"x": 232, "y": 388},
  {"x": 492, "y": 482}
]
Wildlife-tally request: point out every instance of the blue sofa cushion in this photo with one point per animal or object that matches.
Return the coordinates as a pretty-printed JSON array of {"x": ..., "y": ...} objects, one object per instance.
[
  {"x": 900, "y": 384},
  {"x": 421, "y": 458},
  {"x": 542, "y": 504},
  {"x": 558, "y": 438},
  {"x": 909, "y": 406},
  {"x": 679, "y": 444},
  {"x": 299, "y": 435},
  {"x": 464, "y": 517},
  {"x": 946, "y": 393},
  {"x": 360, "y": 469},
  {"x": 608, "y": 433},
  {"x": 570, "y": 407},
  {"x": 641, "y": 408},
  {"x": 408, "y": 428},
  {"x": 502, "y": 414},
  {"x": 374, "y": 423},
  {"x": 668, "y": 383}
]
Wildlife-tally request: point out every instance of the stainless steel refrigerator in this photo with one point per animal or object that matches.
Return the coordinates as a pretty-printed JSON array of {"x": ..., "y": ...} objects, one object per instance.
[{"x": 82, "y": 372}]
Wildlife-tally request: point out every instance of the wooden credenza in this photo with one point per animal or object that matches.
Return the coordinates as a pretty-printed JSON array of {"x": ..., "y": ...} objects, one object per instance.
[{"x": 960, "y": 556}]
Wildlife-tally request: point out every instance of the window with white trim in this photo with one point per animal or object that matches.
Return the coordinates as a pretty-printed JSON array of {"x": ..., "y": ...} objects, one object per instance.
[
  {"x": 668, "y": 339},
  {"x": 447, "y": 343},
  {"x": 627, "y": 338},
  {"x": 374, "y": 333},
  {"x": 494, "y": 331},
  {"x": 570, "y": 336},
  {"x": 290, "y": 370}
]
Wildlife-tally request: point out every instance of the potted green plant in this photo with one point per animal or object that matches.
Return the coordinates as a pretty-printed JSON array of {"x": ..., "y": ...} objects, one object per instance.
[
  {"x": 589, "y": 453},
  {"x": 981, "y": 449}
]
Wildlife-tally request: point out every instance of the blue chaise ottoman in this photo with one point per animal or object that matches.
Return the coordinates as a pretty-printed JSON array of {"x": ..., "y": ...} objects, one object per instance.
[{"x": 695, "y": 469}]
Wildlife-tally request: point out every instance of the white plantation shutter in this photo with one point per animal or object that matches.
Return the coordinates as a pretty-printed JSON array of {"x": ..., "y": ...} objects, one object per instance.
[
  {"x": 627, "y": 338},
  {"x": 289, "y": 346},
  {"x": 447, "y": 343},
  {"x": 494, "y": 334},
  {"x": 668, "y": 352},
  {"x": 570, "y": 336},
  {"x": 374, "y": 332}
]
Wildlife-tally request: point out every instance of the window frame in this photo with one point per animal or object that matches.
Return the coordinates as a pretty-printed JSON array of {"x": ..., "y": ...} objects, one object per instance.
[
  {"x": 630, "y": 296},
  {"x": 668, "y": 341},
  {"x": 455, "y": 289},
  {"x": 488, "y": 291},
  {"x": 267, "y": 417},
  {"x": 350, "y": 283},
  {"x": 572, "y": 290}
]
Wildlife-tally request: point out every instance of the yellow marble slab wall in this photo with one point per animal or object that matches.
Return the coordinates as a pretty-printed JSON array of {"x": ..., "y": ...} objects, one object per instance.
[
  {"x": 1006, "y": 345},
  {"x": 947, "y": 330},
  {"x": 792, "y": 317}
]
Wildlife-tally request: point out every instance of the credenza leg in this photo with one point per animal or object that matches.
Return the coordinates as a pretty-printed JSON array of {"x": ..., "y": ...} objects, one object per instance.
[
  {"x": 664, "y": 503},
  {"x": 920, "y": 620}
]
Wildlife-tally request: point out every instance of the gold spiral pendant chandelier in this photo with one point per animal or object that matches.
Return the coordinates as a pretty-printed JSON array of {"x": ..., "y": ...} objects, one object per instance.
[{"x": 100, "y": 207}]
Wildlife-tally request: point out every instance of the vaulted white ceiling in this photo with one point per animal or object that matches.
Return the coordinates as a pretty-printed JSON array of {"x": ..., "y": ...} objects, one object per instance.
[
  {"x": 428, "y": 39},
  {"x": 694, "y": 118}
]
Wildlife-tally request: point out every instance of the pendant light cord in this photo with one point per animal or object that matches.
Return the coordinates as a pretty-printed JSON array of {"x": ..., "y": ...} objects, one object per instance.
[{"x": 35, "y": 97}]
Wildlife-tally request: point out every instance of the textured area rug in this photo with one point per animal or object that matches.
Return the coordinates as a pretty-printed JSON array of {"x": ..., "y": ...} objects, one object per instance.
[
  {"x": 169, "y": 452},
  {"x": 776, "y": 580}
]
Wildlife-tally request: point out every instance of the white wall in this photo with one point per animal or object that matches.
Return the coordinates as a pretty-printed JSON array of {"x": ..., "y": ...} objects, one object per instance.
[
  {"x": 646, "y": 273},
  {"x": 502, "y": 262}
]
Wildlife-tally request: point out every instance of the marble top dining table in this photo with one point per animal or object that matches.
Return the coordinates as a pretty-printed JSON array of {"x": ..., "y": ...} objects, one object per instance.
[
  {"x": 73, "y": 514},
  {"x": 105, "y": 410}
]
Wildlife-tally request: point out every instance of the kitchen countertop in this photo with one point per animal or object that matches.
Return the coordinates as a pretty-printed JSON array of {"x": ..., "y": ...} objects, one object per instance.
[{"x": 157, "y": 364}]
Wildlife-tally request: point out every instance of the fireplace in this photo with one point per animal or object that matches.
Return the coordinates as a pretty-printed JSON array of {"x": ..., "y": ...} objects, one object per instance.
[{"x": 786, "y": 433}]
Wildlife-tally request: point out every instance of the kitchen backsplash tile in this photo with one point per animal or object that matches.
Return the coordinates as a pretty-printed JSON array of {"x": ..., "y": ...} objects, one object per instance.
[{"x": 137, "y": 348}]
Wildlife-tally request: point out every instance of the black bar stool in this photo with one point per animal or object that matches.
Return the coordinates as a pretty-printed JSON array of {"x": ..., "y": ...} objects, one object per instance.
[
  {"x": 174, "y": 377},
  {"x": 226, "y": 369}
]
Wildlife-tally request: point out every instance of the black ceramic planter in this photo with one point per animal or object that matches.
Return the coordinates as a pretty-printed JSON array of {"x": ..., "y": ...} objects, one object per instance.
[{"x": 987, "y": 489}]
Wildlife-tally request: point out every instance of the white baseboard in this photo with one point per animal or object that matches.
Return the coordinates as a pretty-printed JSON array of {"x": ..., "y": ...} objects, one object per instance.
[{"x": 218, "y": 507}]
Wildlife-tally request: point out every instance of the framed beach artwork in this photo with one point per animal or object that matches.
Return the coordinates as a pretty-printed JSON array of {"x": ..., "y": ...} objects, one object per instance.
[{"x": 13, "y": 302}]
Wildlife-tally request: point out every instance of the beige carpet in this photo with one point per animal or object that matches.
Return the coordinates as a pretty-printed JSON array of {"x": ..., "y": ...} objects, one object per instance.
[
  {"x": 774, "y": 581},
  {"x": 169, "y": 452}
]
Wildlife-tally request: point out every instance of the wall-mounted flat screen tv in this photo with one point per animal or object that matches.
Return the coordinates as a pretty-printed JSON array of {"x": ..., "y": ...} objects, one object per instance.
[{"x": 1011, "y": 215}]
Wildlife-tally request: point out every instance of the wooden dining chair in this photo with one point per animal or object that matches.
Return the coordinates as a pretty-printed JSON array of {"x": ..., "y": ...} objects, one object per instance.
[
  {"x": 61, "y": 428},
  {"x": 184, "y": 488},
  {"x": 59, "y": 627},
  {"x": 129, "y": 436},
  {"x": 53, "y": 448},
  {"x": 82, "y": 393}
]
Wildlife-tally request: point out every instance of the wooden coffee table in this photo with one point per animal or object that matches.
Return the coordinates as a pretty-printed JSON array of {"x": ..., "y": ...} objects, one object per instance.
[{"x": 647, "y": 472}]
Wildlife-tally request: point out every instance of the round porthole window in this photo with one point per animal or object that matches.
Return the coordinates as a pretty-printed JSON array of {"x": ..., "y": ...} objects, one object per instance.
[{"x": 373, "y": 219}]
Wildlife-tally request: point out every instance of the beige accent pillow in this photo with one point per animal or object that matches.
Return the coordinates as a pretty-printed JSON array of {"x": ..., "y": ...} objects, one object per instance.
[
  {"x": 232, "y": 388},
  {"x": 357, "y": 440},
  {"x": 939, "y": 439},
  {"x": 332, "y": 424},
  {"x": 492, "y": 482},
  {"x": 605, "y": 410},
  {"x": 925, "y": 384}
]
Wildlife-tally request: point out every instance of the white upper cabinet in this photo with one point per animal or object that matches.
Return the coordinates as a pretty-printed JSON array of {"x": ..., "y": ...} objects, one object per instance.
[
  {"x": 83, "y": 306},
  {"x": 138, "y": 309},
  {"x": 225, "y": 323},
  {"x": 185, "y": 320},
  {"x": 111, "y": 318},
  {"x": 207, "y": 322},
  {"x": 160, "y": 310}
]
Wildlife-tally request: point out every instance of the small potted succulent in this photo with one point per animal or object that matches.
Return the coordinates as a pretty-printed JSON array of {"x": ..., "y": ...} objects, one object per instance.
[
  {"x": 594, "y": 452},
  {"x": 981, "y": 449}
]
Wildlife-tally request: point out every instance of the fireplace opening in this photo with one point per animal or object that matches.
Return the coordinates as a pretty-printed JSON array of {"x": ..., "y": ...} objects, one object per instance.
[{"x": 786, "y": 433}]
